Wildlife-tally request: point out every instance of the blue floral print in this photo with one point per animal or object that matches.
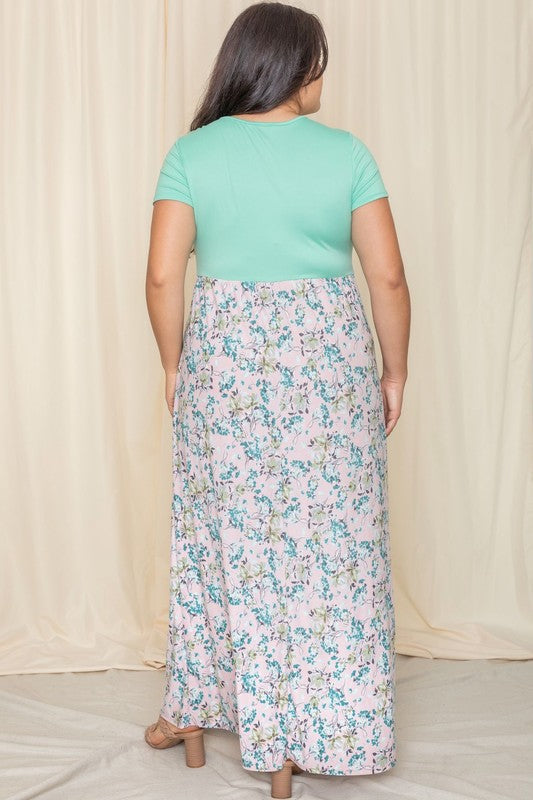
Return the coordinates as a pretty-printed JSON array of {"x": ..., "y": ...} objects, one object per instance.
[{"x": 281, "y": 625}]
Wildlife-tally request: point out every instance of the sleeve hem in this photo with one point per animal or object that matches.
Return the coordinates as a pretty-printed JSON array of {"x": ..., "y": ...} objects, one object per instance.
[
  {"x": 166, "y": 196},
  {"x": 361, "y": 201}
]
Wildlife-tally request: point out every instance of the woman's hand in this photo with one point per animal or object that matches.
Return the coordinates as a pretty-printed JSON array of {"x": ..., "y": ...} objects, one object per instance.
[
  {"x": 170, "y": 389},
  {"x": 392, "y": 392}
]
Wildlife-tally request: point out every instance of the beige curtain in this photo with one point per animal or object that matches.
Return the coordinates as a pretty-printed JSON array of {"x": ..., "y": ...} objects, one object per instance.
[{"x": 93, "y": 94}]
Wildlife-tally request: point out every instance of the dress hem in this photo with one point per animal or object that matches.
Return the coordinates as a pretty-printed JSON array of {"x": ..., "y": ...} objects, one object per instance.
[{"x": 310, "y": 770}]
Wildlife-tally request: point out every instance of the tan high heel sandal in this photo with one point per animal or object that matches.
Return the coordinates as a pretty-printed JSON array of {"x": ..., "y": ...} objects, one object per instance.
[
  {"x": 281, "y": 781},
  {"x": 194, "y": 741}
]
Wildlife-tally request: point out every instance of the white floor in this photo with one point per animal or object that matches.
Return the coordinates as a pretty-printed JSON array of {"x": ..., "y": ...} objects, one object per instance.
[{"x": 465, "y": 730}]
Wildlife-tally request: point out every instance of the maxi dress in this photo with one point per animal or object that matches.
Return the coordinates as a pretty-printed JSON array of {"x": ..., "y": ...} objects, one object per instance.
[{"x": 281, "y": 618}]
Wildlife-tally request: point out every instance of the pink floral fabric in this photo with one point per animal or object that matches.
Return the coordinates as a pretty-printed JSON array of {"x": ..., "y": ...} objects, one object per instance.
[{"x": 281, "y": 625}]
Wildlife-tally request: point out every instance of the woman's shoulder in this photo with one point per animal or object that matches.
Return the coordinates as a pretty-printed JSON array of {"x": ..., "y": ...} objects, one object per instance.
[
  {"x": 335, "y": 132},
  {"x": 220, "y": 132},
  {"x": 195, "y": 140},
  {"x": 328, "y": 133}
]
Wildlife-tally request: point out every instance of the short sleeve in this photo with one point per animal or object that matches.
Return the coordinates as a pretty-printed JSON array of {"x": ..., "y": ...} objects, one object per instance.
[
  {"x": 172, "y": 183},
  {"x": 367, "y": 183}
]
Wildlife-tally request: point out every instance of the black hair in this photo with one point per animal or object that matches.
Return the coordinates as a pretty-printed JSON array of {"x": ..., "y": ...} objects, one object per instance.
[{"x": 270, "y": 51}]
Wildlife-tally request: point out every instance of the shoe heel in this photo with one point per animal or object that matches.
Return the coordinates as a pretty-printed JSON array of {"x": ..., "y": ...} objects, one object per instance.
[
  {"x": 282, "y": 782},
  {"x": 195, "y": 750}
]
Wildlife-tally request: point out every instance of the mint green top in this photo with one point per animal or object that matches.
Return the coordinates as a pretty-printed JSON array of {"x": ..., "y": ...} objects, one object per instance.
[{"x": 272, "y": 200}]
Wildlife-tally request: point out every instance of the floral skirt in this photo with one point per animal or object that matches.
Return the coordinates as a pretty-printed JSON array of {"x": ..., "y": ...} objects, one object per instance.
[{"x": 281, "y": 625}]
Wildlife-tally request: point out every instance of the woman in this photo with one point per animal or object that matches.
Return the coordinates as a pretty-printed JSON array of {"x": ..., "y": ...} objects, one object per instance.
[{"x": 281, "y": 614}]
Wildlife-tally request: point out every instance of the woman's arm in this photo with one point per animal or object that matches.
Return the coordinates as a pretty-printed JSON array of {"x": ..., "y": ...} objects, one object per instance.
[
  {"x": 375, "y": 242},
  {"x": 172, "y": 236}
]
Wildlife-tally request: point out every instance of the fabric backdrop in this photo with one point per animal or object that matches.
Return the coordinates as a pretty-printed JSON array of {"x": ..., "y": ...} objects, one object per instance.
[{"x": 94, "y": 93}]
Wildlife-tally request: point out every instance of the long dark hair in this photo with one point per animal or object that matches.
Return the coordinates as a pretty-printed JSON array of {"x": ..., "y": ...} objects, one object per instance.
[{"x": 269, "y": 53}]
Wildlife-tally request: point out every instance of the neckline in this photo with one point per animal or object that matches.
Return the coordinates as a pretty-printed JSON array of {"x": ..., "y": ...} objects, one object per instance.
[{"x": 266, "y": 122}]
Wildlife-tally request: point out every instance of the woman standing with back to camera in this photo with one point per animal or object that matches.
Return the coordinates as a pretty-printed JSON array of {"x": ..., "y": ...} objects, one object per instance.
[{"x": 282, "y": 621}]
